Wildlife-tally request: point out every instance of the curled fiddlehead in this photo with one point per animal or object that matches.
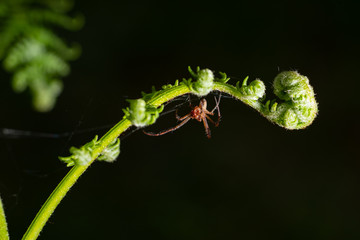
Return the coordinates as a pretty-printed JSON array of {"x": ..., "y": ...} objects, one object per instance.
[
  {"x": 298, "y": 108},
  {"x": 36, "y": 56}
]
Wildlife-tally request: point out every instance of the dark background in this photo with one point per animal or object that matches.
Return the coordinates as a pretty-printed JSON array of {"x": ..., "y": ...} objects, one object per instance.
[{"x": 252, "y": 180}]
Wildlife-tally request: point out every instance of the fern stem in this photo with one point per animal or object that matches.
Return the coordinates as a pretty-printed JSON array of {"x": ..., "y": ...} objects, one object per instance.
[
  {"x": 51, "y": 203},
  {"x": 169, "y": 94},
  {"x": 70, "y": 179},
  {"x": 231, "y": 90},
  {"x": 298, "y": 111},
  {"x": 4, "y": 235}
]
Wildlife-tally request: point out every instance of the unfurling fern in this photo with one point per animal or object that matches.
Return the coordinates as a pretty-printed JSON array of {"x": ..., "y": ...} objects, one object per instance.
[{"x": 32, "y": 52}]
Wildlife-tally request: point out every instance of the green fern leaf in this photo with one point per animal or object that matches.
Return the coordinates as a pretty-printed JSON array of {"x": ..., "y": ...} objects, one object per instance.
[{"x": 30, "y": 50}]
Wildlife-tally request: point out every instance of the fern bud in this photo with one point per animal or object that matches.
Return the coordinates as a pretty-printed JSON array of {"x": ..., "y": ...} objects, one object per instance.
[
  {"x": 254, "y": 91},
  {"x": 299, "y": 108},
  {"x": 140, "y": 114},
  {"x": 205, "y": 82},
  {"x": 111, "y": 152},
  {"x": 137, "y": 111},
  {"x": 81, "y": 156}
]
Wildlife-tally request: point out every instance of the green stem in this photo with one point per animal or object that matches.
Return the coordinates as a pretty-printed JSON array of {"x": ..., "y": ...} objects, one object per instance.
[
  {"x": 4, "y": 234},
  {"x": 231, "y": 90},
  {"x": 70, "y": 179},
  {"x": 169, "y": 94},
  {"x": 287, "y": 115}
]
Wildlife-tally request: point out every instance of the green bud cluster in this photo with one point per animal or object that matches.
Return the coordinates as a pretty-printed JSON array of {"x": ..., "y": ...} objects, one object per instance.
[
  {"x": 204, "y": 82},
  {"x": 299, "y": 108},
  {"x": 84, "y": 155},
  {"x": 140, "y": 114},
  {"x": 111, "y": 152},
  {"x": 254, "y": 91}
]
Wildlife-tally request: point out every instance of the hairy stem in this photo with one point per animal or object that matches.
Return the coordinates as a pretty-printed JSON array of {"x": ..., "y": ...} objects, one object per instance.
[{"x": 231, "y": 90}]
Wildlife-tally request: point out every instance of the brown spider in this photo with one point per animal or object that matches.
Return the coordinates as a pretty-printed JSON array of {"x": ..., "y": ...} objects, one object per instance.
[{"x": 199, "y": 113}]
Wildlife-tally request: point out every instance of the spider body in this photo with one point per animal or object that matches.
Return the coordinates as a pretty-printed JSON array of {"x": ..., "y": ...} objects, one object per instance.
[{"x": 199, "y": 113}]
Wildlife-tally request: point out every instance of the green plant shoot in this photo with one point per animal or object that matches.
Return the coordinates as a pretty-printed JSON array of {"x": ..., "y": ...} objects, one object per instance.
[{"x": 296, "y": 108}]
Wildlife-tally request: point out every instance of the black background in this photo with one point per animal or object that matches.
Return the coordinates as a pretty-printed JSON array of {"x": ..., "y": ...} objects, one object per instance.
[{"x": 252, "y": 180}]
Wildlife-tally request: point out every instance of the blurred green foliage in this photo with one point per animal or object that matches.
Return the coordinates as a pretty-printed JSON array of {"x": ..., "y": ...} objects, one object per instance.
[{"x": 32, "y": 52}]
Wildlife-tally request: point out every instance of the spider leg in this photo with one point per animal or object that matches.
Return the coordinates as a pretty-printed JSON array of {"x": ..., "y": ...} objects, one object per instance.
[
  {"x": 186, "y": 118},
  {"x": 181, "y": 118},
  {"x": 217, "y": 102},
  {"x": 212, "y": 112},
  {"x": 177, "y": 116},
  {"x": 208, "y": 113},
  {"x": 190, "y": 101},
  {"x": 203, "y": 104},
  {"x": 215, "y": 108},
  {"x": 212, "y": 121},
  {"x": 206, "y": 126},
  {"x": 218, "y": 110}
]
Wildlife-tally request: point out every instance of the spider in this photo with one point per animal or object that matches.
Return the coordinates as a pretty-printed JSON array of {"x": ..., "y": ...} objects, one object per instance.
[{"x": 199, "y": 113}]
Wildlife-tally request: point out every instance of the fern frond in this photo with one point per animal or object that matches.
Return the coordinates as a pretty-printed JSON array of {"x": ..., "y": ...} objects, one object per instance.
[
  {"x": 45, "y": 16},
  {"x": 44, "y": 91},
  {"x": 22, "y": 52},
  {"x": 35, "y": 55},
  {"x": 9, "y": 32},
  {"x": 58, "y": 5},
  {"x": 56, "y": 44}
]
